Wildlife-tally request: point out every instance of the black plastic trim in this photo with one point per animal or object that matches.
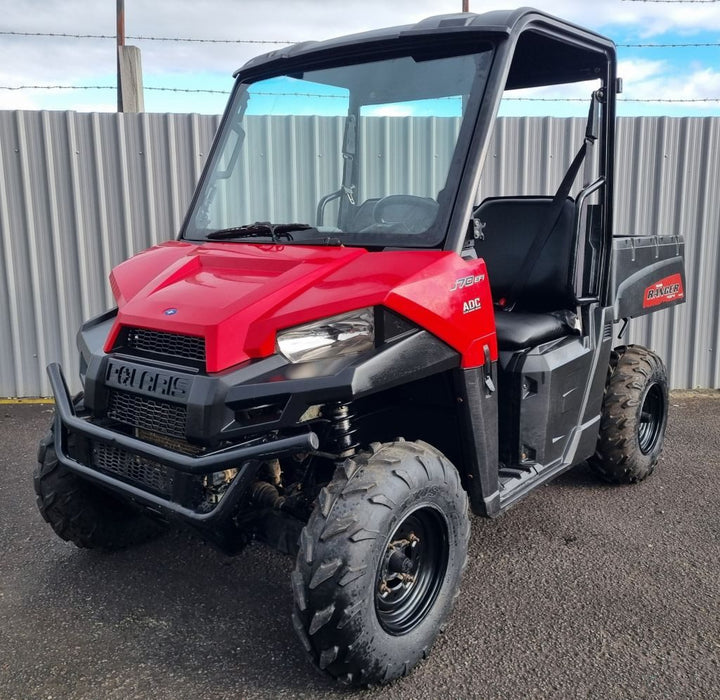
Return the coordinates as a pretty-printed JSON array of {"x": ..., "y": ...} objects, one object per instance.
[
  {"x": 497, "y": 23},
  {"x": 215, "y": 403},
  {"x": 205, "y": 464},
  {"x": 479, "y": 426}
]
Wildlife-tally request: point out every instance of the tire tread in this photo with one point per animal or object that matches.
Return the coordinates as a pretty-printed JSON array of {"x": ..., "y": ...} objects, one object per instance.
[
  {"x": 618, "y": 458},
  {"x": 330, "y": 597}
]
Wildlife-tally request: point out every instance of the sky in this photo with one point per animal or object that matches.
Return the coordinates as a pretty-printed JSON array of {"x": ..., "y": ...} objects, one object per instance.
[{"x": 684, "y": 73}]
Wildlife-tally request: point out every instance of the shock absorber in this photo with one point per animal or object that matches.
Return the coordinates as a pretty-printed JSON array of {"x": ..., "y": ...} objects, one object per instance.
[{"x": 341, "y": 436}]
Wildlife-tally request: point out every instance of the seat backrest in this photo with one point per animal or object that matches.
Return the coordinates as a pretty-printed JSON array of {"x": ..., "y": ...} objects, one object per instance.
[
  {"x": 510, "y": 225},
  {"x": 362, "y": 216}
]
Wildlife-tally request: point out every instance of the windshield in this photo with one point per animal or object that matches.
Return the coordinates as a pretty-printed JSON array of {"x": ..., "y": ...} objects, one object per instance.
[{"x": 352, "y": 154}]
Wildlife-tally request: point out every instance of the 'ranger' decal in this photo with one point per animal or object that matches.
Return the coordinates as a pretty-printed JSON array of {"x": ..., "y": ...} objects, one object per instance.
[{"x": 666, "y": 290}]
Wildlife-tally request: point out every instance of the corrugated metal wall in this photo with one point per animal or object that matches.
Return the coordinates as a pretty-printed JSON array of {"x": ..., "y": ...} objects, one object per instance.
[
  {"x": 78, "y": 194},
  {"x": 669, "y": 182},
  {"x": 81, "y": 192}
]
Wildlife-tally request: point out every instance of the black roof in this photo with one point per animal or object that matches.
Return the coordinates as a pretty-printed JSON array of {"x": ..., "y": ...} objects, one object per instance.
[{"x": 498, "y": 23}]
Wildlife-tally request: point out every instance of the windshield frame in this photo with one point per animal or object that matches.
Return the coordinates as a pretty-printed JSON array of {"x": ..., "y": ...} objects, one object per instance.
[{"x": 370, "y": 52}]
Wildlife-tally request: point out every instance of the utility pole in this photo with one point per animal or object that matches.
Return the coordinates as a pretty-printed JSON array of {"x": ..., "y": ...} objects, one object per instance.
[
  {"x": 466, "y": 5},
  {"x": 129, "y": 69},
  {"x": 120, "y": 34}
]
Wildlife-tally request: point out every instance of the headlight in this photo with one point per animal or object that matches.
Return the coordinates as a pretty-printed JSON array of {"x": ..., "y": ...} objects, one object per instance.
[{"x": 346, "y": 334}]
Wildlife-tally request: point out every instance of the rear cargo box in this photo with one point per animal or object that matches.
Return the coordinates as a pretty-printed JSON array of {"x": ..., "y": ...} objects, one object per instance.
[{"x": 648, "y": 274}]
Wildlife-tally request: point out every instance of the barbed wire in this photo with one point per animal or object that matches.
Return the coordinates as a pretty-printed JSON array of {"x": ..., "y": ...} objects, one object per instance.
[
  {"x": 109, "y": 87},
  {"x": 146, "y": 38},
  {"x": 670, "y": 46},
  {"x": 679, "y": 100},
  {"x": 646, "y": 45}
]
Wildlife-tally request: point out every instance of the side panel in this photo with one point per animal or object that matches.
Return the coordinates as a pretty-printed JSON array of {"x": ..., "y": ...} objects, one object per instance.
[
  {"x": 548, "y": 384},
  {"x": 551, "y": 394},
  {"x": 479, "y": 429},
  {"x": 551, "y": 406},
  {"x": 455, "y": 303},
  {"x": 648, "y": 274}
]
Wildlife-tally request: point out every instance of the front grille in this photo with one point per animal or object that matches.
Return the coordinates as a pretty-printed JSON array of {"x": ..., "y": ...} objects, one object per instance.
[
  {"x": 188, "y": 347},
  {"x": 170, "y": 443},
  {"x": 140, "y": 470},
  {"x": 150, "y": 414}
]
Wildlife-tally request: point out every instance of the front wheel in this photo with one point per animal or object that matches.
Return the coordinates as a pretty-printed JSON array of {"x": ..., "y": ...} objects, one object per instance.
[
  {"x": 80, "y": 512},
  {"x": 380, "y": 562},
  {"x": 634, "y": 416}
]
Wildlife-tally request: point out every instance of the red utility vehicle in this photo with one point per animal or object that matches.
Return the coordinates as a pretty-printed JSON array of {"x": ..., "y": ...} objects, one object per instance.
[{"x": 344, "y": 349}]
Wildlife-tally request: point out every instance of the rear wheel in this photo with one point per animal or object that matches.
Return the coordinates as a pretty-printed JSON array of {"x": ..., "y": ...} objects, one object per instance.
[
  {"x": 634, "y": 416},
  {"x": 82, "y": 513},
  {"x": 380, "y": 562}
]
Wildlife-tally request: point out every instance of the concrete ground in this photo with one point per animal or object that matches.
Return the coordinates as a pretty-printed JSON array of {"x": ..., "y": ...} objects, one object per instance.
[{"x": 581, "y": 591}]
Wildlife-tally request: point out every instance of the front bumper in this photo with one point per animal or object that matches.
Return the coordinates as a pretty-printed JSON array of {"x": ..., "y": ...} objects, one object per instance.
[{"x": 246, "y": 457}]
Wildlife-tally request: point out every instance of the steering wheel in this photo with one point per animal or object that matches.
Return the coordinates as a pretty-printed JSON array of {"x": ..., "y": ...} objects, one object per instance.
[{"x": 404, "y": 213}]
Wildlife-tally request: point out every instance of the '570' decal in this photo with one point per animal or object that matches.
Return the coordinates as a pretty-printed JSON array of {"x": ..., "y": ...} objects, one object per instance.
[
  {"x": 466, "y": 282},
  {"x": 666, "y": 290},
  {"x": 469, "y": 305}
]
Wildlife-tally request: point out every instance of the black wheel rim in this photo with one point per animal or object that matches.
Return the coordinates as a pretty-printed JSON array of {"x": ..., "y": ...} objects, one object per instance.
[
  {"x": 412, "y": 570},
  {"x": 652, "y": 418}
]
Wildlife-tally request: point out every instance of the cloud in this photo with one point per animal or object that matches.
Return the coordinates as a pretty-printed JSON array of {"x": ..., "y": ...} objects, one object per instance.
[
  {"x": 389, "y": 111},
  {"x": 289, "y": 20},
  {"x": 17, "y": 100},
  {"x": 635, "y": 71},
  {"x": 43, "y": 60},
  {"x": 650, "y": 80}
]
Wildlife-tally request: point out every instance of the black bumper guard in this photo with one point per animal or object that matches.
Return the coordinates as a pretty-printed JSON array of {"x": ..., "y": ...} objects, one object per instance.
[{"x": 236, "y": 456}]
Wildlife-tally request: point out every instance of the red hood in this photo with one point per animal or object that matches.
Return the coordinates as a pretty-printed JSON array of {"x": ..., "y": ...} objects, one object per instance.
[{"x": 237, "y": 296}]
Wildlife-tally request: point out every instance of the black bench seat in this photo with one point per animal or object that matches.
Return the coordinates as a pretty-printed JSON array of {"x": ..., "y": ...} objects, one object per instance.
[
  {"x": 547, "y": 301},
  {"x": 520, "y": 329}
]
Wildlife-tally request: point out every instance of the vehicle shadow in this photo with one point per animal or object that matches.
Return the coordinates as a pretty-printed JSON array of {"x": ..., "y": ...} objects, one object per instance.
[
  {"x": 581, "y": 476},
  {"x": 180, "y": 610},
  {"x": 179, "y": 619}
]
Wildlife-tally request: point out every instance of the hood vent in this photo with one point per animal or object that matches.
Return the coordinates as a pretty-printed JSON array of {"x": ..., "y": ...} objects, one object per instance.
[{"x": 161, "y": 345}]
